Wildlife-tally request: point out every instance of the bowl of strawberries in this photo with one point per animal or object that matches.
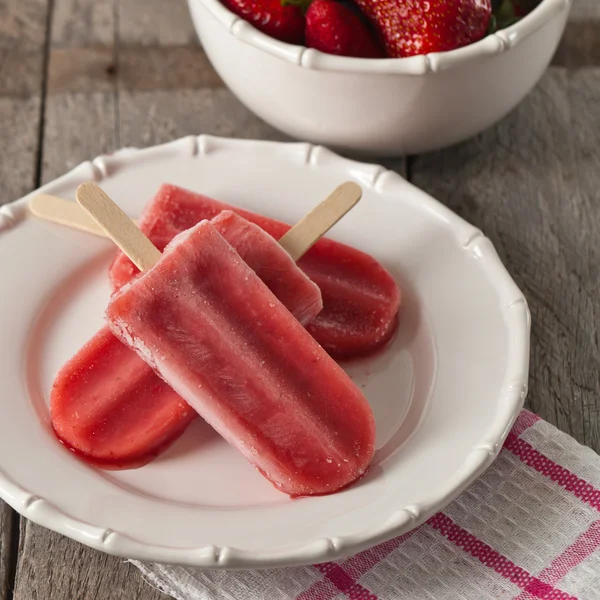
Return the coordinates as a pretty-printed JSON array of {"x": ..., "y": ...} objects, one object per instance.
[{"x": 380, "y": 77}]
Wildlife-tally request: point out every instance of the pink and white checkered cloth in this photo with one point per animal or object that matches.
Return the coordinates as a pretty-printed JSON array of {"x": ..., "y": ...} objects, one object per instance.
[{"x": 528, "y": 529}]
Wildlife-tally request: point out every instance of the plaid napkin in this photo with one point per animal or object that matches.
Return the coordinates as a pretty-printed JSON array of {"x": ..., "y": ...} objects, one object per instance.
[{"x": 528, "y": 529}]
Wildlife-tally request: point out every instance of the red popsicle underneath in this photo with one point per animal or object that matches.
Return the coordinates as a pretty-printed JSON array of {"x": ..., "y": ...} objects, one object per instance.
[
  {"x": 109, "y": 407},
  {"x": 360, "y": 298}
]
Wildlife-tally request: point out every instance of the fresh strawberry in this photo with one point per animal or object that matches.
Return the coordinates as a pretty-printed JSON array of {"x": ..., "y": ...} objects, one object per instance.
[
  {"x": 284, "y": 22},
  {"x": 410, "y": 27},
  {"x": 334, "y": 28}
]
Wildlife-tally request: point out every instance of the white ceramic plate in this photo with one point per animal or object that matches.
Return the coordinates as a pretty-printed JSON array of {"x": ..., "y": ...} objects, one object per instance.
[{"x": 445, "y": 393}]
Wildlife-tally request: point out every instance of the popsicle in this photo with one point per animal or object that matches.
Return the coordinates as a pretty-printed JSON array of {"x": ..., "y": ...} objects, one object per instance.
[
  {"x": 111, "y": 409},
  {"x": 107, "y": 405},
  {"x": 209, "y": 326},
  {"x": 360, "y": 298}
]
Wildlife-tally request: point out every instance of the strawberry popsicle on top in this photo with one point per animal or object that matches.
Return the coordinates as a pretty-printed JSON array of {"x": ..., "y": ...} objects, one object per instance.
[
  {"x": 360, "y": 298},
  {"x": 208, "y": 325},
  {"x": 109, "y": 407}
]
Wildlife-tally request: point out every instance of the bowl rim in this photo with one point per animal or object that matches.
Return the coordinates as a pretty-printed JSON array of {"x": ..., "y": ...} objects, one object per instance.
[{"x": 311, "y": 58}]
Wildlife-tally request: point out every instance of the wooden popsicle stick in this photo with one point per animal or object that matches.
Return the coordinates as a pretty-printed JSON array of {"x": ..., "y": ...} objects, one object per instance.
[
  {"x": 61, "y": 211},
  {"x": 118, "y": 226},
  {"x": 295, "y": 242},
  {"x": 320, "y": 219}
]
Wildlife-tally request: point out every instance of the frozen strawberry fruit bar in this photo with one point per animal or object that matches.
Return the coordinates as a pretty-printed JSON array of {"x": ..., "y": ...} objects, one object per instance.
[
  {"x": 272, "y": 264},
  {"x": 360, "y": 298},
  {"x": 110, "y": 407},
  {"x": 208, "y": 325}
]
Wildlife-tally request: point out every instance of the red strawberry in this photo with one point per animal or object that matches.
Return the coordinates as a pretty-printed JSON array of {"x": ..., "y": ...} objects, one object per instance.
[
  {"x": 410, "y": 27},
  {"x": 334, "y": 28},
  {"x": 285, "y": 23}
]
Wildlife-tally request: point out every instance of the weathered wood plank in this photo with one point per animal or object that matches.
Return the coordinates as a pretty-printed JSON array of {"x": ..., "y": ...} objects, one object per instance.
[
  {"x": 20, "y": 73},
  {"x": 584, "y": 97},
  {"x": 19, "y": 124},
  {"x": 148, "y": 118},
  {"x": 22, "y": 25},
  {"x": 79, "y": 126},
  {"x": 53, "y": 567},
  {"x": 165, "y": 68},
  {"x": 80, "y": 119},
  {"x": 531, "y": 184},
  {"x": 22, "y": 38},
  {"x": 81, "y": 70},
  {"x": 80, "y": 23},
  {"x": 96, "y": 69},
  {"x": 584, "y": 10},
  {"x": 155, "y": 23},
  {"x": 7, "y": 559},
  {"x": 580, "y": 45}
]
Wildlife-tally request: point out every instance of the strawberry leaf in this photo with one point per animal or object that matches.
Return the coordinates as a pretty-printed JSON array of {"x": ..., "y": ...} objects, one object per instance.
[
  {"x": 505, "y": 11},
  {"x": 504, "y": 17}
]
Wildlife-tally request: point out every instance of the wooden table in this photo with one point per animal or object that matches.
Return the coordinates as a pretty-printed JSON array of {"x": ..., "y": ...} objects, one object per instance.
[{"x": 83, "y": 77}]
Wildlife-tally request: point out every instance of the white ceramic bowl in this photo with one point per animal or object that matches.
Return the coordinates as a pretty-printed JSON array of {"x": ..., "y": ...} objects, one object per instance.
[{"x": 380, "y": 106}]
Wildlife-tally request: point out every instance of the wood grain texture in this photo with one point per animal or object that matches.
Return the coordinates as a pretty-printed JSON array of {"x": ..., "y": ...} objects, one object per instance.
[
  {"x": 584, "y": 97},
  {"x": 7, "y": 559},
  {"x": 165, "y": 68},
  {"x": 155, "y": 23},
  {"x": 531, "y": 185},
  {"x": 118, "y": 226},
  {"x": 97, "y": 68},
  {"x": 585, "y": 10},
  {"x": 19, "y": 124},
  {"x": 579, "y": 46},
  {"x": 78, "y": 127},
  {"x": 316, "y": 223},
  {"x": 22, "y": 24},
  {"x": 22, "y": 39},
  {"x": 81, "y": 70},
  {"x": 148, "y": 118},
  {"x": 81, "y": 23},
  {"x": 53, "y": 567},
  {"x": 80, "y": 117},
  {"x": 64, "y": 212}
]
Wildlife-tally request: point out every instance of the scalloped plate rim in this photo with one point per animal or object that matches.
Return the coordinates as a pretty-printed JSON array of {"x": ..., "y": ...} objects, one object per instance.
[{"x": 514, "y": 391}]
